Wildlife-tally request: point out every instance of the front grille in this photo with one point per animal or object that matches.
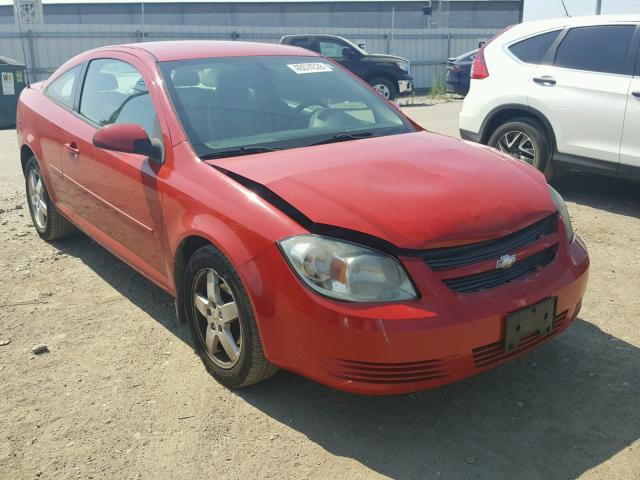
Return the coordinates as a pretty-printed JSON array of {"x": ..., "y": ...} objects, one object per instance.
[
  {"x": 493, "y": 278},
  {"x": 409, "y": 372},
  {"x": 488, "y": 355},
  {"x": 451, "y": 257}
]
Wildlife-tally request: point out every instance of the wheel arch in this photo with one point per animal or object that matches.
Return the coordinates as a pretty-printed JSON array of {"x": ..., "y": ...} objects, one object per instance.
[
  {"x": 237, "y": 252},
  {"x": 382, "y": 74},
  {"x": 185, "y": 249},
  {"x": 504, "y": 113},
  {"x": 25, "y": 154},
  {"x": 28, "y": 151}
]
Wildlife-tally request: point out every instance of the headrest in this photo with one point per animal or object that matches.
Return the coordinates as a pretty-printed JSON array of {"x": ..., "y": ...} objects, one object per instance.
[
  {"x": 234, "y": 84},
  {"x": 106, "y": 82},
  {"x": 185, "y": 78}
]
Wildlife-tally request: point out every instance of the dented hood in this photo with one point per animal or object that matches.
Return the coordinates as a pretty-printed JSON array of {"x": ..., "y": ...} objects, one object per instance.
[{"x": 416, "y": 190}]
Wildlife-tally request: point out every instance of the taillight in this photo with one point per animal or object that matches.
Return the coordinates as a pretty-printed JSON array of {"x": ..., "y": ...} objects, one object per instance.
[{"x": 479, "y": 68}]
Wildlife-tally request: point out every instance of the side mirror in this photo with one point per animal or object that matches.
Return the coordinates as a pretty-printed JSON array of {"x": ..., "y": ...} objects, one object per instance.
[
  {"x": 129, "y": 138},
  {"x": 348, "y": 52}
]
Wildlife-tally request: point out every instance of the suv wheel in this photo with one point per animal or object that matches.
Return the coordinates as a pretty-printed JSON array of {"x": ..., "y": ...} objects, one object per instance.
[
  {"x": 385, "y": 87},
  {"x": 221, "y": 321},
  {"x": 523, "y": 139},
  {"x": 49, "y": 224}
]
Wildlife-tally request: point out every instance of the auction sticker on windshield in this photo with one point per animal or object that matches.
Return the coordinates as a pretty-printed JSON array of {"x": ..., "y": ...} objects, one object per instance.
[{"x": 301, "y": 68}]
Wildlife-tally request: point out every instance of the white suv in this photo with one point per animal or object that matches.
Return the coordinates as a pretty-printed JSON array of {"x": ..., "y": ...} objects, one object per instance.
[{"x": 560, "y": 93}]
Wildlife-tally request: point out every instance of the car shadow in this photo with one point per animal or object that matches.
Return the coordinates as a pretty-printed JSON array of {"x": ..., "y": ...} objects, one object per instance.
[
  {"x": 126, "y": 281},
  {"x": 613, "y": 195},
  {"x": 556, "y": 413}
]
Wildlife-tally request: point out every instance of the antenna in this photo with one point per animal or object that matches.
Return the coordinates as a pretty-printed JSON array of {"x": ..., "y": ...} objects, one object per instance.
[
  {"x": 566, "y": 12},
  {"x": 18, "y": 14}
]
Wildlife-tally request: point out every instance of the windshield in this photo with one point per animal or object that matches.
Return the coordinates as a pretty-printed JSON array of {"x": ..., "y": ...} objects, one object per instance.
[{"x": 250, "y": 104}]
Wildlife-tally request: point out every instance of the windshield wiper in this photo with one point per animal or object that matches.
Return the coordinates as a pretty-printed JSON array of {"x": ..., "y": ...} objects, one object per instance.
[
  {"x": 342, "y": 137},
  {"x": 235, "y": 152}
]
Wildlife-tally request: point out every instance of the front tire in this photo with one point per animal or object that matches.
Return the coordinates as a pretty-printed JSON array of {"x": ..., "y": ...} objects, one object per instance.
[
  {"x": 221, "y": 321},
  {"x": 48, "y": 222},
  {"x": 524, "y": 140},
  {"x": 385, "y": 87}
]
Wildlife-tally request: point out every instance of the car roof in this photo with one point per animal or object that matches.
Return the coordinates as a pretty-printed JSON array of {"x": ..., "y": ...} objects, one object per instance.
[
  {"x": 191, "y": 49},
  {"x": 531, "y": 28},
  {"x": 307, "y": 35}
]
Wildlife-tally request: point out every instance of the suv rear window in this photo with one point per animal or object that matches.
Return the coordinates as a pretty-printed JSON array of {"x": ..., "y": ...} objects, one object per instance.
[
  {"x": 602, "y": 48},
  {"x": 534, "y": 49}
]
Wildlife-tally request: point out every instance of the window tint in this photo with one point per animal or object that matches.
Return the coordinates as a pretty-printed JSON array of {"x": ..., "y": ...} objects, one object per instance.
[
  {"x": 331, "y": 49},
  {"x": 114, "y": 92},
  {"x": 533, "y": 50},
  {"x": 596, "y": 49},
  {"x": 61, "y": 89}
]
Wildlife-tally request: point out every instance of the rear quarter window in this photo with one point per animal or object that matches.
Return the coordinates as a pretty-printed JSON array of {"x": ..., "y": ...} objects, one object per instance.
[
  {"x": 533, "y": 50},
  {"x": 62, "y": 88}
]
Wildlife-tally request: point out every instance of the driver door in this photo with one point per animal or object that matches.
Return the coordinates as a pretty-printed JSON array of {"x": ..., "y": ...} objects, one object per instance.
[{"x": 115, "y": 195}]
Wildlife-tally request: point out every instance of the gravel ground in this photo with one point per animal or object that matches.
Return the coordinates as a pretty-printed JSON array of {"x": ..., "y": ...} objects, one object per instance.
[{"x": 120, "y": 393}]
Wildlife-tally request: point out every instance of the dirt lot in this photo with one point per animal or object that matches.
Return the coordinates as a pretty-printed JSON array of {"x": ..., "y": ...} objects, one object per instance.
[{"x": 121, "y": 394}]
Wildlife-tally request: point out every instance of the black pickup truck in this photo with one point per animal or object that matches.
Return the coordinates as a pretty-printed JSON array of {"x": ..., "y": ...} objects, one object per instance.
[{"x": 388, "y": 74}]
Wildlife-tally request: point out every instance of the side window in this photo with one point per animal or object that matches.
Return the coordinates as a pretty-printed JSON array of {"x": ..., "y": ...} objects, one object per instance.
[
  {"x": 533, "y": 50},
  {"x": 303, "y": 43},
  {"x": 61, "y": 89},
  {"x": 596, "y": 49},
  {"x": 115, "y": 92},
  {"x": 331, "y": 49}
]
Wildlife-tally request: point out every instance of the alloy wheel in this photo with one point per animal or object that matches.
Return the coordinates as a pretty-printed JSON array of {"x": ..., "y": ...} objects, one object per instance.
[
  {"x": 519, "y": 145},
  {"x": 217, "y": 318},
  {"x": 37, "y": 202}
]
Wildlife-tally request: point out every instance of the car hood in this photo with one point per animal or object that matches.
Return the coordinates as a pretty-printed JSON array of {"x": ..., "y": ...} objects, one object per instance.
[
  {"x": 415, "y": 190},
  {"x": 380, "y": 58}
]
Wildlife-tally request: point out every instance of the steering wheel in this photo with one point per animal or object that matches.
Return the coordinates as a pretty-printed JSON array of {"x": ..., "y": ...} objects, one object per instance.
[{"x": 308, "y": 104}]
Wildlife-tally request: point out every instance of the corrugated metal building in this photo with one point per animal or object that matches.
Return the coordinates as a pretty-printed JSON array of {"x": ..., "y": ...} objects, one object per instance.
[
  {"x": 352, "y": 14},
  {"x": 397, "y": 27}
]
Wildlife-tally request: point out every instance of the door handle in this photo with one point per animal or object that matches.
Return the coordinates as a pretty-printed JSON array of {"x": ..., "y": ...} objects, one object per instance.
[
  {"x": 636, "y": 94},
  {"x": 545, "y": 81},
  {"x": 73, "y": 149}
]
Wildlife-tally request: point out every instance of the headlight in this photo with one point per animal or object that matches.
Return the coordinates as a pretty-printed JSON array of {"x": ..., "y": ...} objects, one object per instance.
[
  {"x": 564, "y": 213},
  {"x": 404, "y": 66},
  {"x": 346, "y": 271}
]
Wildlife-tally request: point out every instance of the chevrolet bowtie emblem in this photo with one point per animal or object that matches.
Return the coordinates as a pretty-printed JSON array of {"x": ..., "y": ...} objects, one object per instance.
[{"x": 505, "y": 261}]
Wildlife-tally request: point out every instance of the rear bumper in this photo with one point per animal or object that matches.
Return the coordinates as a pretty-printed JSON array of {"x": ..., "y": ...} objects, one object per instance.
[{"x": 397, "y": 348}]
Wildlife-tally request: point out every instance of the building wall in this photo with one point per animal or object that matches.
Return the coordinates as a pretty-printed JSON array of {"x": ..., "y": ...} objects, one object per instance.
[{"x": 375, "y": 14}]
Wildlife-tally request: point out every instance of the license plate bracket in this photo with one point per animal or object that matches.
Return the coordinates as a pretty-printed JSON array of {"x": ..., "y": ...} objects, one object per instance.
[{"x": 534, "y": 318}]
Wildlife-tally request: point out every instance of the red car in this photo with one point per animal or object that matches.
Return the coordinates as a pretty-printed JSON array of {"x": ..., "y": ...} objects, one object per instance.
[{"x": 299, "y": 219}]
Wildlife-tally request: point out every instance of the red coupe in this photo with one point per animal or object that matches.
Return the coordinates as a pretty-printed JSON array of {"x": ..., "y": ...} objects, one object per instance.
[{"x": 299, "y": 219}]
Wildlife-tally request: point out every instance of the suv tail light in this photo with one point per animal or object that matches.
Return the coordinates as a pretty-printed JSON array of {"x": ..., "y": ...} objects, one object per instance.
[{"x": 479, "y": 68}]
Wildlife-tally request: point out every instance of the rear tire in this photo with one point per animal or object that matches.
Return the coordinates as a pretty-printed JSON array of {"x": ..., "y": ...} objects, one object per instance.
[
  {"x": 385, "y": 87},
  {"x": 48, "y": 222},
  {"x": 228, "y": 343},
  {"x": 525, "y": 140}
]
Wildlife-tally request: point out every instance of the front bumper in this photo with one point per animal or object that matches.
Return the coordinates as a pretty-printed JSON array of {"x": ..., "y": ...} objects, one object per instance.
[
  {"x": 470, "y": 136},
  {"x": 395, "y": 348},
  {"x": 405, "y": 86}
]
